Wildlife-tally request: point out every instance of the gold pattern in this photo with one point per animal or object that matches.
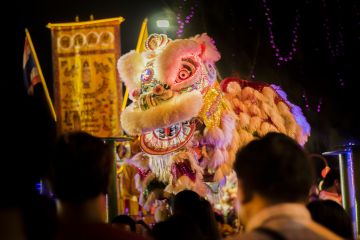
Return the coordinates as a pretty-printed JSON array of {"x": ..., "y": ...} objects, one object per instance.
[
  {"x": 212, "y": 108},
  {"x": 88, "y": 94}
]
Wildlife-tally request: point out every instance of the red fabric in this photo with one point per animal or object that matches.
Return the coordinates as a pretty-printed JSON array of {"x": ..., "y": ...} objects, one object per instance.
[{"x": 243, "y": 83}]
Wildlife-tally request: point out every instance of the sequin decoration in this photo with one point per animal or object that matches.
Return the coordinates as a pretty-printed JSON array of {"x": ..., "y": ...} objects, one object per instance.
[
  {"x": 147, "y": 75},
  {"x": 213, "y": 107},
  {"x": 211, "y": 72},
  {"x": 156, "y": 42}
]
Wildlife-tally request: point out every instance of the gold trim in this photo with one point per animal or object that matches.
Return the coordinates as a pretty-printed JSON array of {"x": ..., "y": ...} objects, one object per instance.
[
  {"x": 72, "y": 24},
  {"x": 138, "y": 46}
]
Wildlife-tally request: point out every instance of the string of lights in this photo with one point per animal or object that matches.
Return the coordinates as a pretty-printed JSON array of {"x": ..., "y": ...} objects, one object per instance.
[
  {"x": 318, "y": 108},
  {"x": 187, "y": 19},
  {"x": 307, "y": 105},
  {"x": 335, "y": 40},
  {"x": 280, "y": 55}
]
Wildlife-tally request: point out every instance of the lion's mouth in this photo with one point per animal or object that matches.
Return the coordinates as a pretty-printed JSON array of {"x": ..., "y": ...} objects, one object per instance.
[{"x": 167, "y": 139}]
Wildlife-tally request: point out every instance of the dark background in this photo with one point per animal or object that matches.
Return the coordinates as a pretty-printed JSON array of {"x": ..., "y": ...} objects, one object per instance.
[{"x": 323, "y": 69}]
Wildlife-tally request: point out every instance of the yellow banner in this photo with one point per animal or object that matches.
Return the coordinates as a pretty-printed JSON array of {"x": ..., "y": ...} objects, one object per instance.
[{"x": 87, "y": 86}]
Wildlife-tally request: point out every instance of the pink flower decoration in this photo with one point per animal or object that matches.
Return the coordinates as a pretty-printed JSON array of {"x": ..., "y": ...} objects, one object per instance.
[{"x": 135, "y": 93}]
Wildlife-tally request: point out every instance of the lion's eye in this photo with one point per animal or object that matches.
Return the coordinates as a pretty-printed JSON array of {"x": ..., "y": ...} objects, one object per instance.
[
  {"x": 187, "y": 70},
  {"x": 184, "y": 74}
]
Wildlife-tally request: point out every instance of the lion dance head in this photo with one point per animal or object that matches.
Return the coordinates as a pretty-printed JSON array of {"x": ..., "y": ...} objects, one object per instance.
[{"x": 190, "y": 126}]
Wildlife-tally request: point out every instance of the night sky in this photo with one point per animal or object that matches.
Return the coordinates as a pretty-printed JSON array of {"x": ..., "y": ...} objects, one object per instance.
[{"x": 321, "y": 77}]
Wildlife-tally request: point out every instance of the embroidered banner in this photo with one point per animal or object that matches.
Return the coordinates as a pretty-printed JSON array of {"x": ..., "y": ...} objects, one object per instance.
[{"x": 88, "y": 91}]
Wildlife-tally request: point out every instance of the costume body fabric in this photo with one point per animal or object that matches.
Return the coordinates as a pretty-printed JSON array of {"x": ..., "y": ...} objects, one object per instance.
[{"x": 190, "y": 126}]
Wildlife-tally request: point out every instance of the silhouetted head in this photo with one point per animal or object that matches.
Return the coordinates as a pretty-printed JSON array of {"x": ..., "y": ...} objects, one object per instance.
[
  {"x": 185, "y": 202},
  {"x": 124, "y": 222},
  {"x": 275, "y": 167},
  {"x": 177, "y": 227},
  {"x": 80, "y": 167},
  {"x": 142, "y": 228},
  {"x": 332, "y": 179},
  {"x": 199, "y": 210}
]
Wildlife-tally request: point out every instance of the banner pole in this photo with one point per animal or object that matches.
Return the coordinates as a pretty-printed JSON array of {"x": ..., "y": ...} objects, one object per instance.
[
  {"x": 48, "y": 99},
  {"x": 138, "y": 46}
]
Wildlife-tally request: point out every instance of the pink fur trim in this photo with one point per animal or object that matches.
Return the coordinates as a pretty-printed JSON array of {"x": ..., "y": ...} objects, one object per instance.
[
  {"x": 179, "y": 108},
  {"x": 217, "y": 158},
  {"x": 228, "y": 124},
  {"x": 213, "y": 136},
  {"x": 220, "y": 137},
  {"x": 209, "y": 51}
]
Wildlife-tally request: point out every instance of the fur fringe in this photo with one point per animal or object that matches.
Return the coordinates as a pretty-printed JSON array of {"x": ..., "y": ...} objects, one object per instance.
[
  {"x": 130, "y": 67},
  {"x": 184, "y": 182},
  {"x": 179, "y": 108}
]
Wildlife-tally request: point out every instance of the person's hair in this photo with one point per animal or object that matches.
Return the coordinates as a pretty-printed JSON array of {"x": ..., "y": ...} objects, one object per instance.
[
  {"x": 189, "y": 203},
  {"x": 332, "y": 216},
  {"x": 142, "y": 223},
  {"x": 185, "y": 202},
  {"x": 219, "y": 218},
  {"x": 80, "y": 167},
  {"x": 177, "y": 227},
  {"x": 330, "y": 177},
  {"x": 276, "y": 167},
  {"x": 125, "y": 219},
  {"x": 142, "y": 228}
]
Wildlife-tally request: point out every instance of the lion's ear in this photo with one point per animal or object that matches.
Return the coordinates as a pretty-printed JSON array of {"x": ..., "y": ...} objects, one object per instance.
[
  {"x": 130, "y": 67},
  {"x": 209, "y": 51}
]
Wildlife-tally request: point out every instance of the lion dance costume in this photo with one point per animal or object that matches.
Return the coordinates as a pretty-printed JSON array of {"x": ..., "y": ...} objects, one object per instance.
[{"x": 190, "y": 126}]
